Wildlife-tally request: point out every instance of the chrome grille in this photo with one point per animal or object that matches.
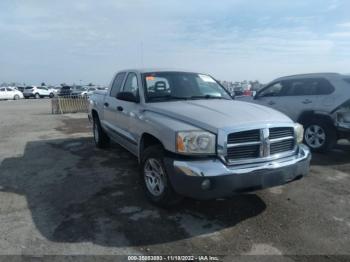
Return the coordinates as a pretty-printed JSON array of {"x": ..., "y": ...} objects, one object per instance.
[
  {"x": 260, "y": 144},
  {"x": 282, "y": 146},
  {"x": 243, "y": 152},
  {"x": 244, "y": 136},
  {"x": 278, "y": 132}
]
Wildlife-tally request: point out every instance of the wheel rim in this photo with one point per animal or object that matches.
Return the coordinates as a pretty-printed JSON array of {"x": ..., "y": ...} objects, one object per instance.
[
  {"x": 154, "y": 176},
  {"x": 315, "y": 136},
  {"x": 96, "y": 133},
  {"x": 37, "y": 96}
]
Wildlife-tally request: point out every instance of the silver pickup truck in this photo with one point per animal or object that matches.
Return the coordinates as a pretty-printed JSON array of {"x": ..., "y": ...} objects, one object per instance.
[{"x": 192, "y": 139}]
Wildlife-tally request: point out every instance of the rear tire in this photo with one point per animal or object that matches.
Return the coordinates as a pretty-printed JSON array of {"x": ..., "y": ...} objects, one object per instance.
[
  {"x": 51, "y": 95},
  {"x": 155, "y": 179},
  {"x": 100, "y": 137},
  {"x": 16, "y": 97},
  {"x": 320, "y": 135}
]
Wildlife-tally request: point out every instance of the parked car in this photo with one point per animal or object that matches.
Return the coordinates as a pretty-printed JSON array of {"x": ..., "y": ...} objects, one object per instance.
[
  {"x": 321, "y": 102},
  {"x": 72, "y": 91},
  {"x": 189, "y": 143},
  {"x": 20, "y": 88},
  {"x": 7, "y": 93},
  {"x": 88, "y": 92},
  {"x": 37, "y": 92}
]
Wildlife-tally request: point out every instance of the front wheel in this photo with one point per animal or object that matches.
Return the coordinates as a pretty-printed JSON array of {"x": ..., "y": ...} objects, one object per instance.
[
  {"x": 320, "y": 135},
  {"x": 51, "y": 95},
  {"x": 37, "y": 96},
  {"x": 100, "y": 137},
  {"x": 155, "y": 180},
  {"x": 16, "y": 97}
]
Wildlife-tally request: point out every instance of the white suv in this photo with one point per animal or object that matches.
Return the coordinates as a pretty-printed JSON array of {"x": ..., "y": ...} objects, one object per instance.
[
  {"x": 321, "y": 102},
  {"x": 37, "y": 92}
]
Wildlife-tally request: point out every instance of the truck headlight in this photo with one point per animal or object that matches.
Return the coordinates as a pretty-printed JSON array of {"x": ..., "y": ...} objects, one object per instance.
[
  {"x": 195, "y": 142},
  {"x": 299, "y": 132}
]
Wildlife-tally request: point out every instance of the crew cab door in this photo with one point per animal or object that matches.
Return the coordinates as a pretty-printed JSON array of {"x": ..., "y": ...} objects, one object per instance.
[
  {"x": 110, "y": 119},
  {"x": 128, "y": 112}
]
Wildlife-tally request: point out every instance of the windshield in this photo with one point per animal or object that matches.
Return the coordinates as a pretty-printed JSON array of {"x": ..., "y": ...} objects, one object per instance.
[{"x": 164, "y": 86}]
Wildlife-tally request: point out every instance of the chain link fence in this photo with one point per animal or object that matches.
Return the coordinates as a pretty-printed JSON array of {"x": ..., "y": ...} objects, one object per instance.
[{"x": 69, "y": 104}]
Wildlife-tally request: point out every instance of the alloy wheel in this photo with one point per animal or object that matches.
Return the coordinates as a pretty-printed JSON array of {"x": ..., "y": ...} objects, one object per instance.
[
  {"x": 315, "y": 136},
  {"x": 154, "y": 176}
]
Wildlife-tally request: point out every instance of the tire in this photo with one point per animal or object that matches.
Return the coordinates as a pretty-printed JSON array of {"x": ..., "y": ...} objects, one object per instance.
[
  {"x": 100, "y": 137},
  {"x": 16, "y": 97},
  {"x": 153, "y": 174},
  {"x": 320, "y": 135},
  {"x": 37, "y": 96},
  {"x": 51, "y": 95}
]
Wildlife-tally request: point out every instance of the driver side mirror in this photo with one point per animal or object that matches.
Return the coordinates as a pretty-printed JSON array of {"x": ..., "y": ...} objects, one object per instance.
[{"x": 128, "y": 96}]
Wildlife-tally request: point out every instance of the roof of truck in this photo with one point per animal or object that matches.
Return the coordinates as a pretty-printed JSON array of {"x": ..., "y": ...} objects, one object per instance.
[{"x": 155, "y": 69}]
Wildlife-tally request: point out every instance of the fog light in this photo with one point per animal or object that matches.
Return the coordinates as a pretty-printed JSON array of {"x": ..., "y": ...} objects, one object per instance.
[{"x": 206, "y": 184}]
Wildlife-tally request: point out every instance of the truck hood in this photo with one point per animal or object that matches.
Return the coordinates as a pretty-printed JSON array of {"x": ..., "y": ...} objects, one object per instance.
[{"x": 216, "y": 114}]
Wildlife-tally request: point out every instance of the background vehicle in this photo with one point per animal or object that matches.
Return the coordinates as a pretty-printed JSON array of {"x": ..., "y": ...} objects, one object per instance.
[
  {"x": 72, "y": 91},
  {"x": 10, "y": 93},
  {"x": 192, "y": 139},
  {"x": 88, "y": 92},
  {"x": 321, "y": 102},
  {"x": 37, "y": 92}
]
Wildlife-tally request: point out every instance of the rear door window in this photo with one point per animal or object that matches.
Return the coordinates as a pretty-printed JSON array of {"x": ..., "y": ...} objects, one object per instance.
[
  {"x": 308, "y": 87},
  {"x": 117, "y": 84}
]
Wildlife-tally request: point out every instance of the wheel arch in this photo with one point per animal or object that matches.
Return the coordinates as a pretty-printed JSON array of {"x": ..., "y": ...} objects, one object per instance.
[
  {"x": 310, "y": 115},
  {"x": 147, "y": 140}
]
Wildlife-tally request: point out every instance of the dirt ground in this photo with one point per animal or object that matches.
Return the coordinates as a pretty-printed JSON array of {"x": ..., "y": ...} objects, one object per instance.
[{"x": 59, "y": 195}]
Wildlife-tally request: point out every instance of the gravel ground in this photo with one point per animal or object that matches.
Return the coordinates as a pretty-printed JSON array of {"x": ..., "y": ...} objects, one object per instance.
[{"x": 59, "y": 195}]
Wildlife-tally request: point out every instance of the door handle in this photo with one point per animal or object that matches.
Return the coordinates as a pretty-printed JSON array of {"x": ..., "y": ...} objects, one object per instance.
[
  {"x": 307, "y": 101},
  {"x": 271, "y": 103},
  {"x": 106, "y": 104},
  {"x": 119, "y": 108}
]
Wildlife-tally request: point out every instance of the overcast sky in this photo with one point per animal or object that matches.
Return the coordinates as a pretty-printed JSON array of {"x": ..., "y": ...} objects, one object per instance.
[{"x": 68, "y": 41}]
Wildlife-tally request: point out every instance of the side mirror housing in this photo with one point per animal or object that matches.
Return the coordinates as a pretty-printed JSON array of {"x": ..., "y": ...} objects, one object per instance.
[{"x": 128, "y": 96}]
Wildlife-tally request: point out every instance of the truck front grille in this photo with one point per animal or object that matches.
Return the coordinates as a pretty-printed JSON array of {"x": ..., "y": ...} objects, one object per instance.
[{"x": 260, "y": 144}]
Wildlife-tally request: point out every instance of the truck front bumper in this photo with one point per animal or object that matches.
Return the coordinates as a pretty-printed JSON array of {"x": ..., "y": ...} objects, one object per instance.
[{"x": 211, "y": 178}]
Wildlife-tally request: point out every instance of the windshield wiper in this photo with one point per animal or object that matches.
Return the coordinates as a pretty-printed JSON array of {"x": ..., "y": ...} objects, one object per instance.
[
  {"x": 168, "y": 97},
  {"x": 209, "y": 97}
]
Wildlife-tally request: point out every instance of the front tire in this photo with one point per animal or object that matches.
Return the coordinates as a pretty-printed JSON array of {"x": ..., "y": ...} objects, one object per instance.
[
  {"x": 320, "y": 135},
  {"x": 155, "y": 179},
  {"x": 16, "y": 97},
  {"x": 51, "y": 95},
  {"x": 100, "y": 137},
  {"x": 37, "y": 96}
]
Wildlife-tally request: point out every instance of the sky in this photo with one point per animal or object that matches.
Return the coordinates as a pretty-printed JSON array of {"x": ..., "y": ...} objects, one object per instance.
[{"x": 88, "y": 41}]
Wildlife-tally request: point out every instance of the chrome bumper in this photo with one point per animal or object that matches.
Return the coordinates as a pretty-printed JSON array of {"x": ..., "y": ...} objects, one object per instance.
[{"x": 187, "y": 177}]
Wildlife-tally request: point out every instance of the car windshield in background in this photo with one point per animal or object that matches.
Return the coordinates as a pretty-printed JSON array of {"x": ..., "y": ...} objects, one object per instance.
[
  {"x": 29, "y": 87},
  {"x": 165, "y": 86}
]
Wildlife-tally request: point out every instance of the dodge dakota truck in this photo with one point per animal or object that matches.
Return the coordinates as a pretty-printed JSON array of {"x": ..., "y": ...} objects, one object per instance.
[{"x": 192, "y": 139}]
